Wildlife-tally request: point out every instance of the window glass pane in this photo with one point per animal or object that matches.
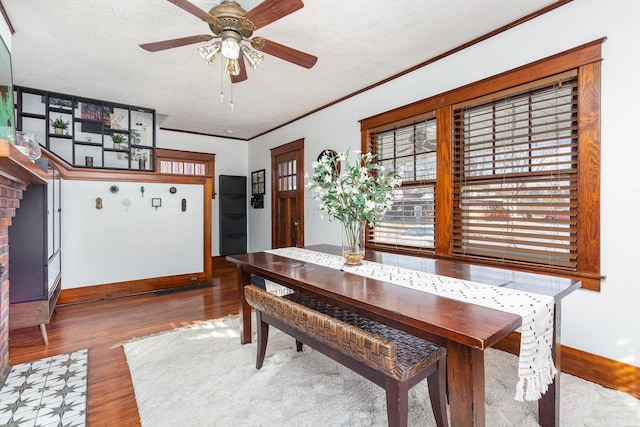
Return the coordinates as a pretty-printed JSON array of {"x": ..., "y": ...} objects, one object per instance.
[
  {"x": 410, "y": 151},
  {"x": 515, "y": 185},
  {"x": 410, "y": 221}
]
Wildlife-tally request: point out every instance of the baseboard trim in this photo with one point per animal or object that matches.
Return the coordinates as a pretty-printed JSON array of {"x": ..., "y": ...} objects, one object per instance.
[
  {"x": 600, "y": 370},
  {"x": 133, "y": 287}
]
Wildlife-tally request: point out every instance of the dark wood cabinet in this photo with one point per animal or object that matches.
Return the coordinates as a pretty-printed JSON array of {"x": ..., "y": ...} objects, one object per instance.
[
  {"x": 233, "y": 214},
  {"x": 35, "y": 255}
]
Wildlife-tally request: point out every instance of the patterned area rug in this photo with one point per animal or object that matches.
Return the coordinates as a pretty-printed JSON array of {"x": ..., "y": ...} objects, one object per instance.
[
  {"x": 46, "y": 392},
  {"x": 203, "y": 376}
]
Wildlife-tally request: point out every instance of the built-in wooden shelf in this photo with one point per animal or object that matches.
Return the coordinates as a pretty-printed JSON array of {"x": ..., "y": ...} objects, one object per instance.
[{"x": 18, "y": 167}]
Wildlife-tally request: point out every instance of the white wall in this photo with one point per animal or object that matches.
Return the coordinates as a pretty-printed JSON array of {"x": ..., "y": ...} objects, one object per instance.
[
  {"x": 114, "y": 244},
  {"x": 601, "y": 323},
  {"x": 5, "y": 34},
  {"x": 117, "y": 244},
  {"x": 231, "y": 159}
]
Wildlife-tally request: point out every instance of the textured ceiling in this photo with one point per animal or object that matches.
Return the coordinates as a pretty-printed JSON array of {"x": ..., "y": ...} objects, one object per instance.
[{"x": 90, "y": 48}]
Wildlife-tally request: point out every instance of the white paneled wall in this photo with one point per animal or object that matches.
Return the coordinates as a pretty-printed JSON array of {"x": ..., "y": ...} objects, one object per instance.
[{"x": 119, "y": 243}]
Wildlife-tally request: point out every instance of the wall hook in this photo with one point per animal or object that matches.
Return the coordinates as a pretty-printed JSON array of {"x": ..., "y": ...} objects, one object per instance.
[{"x": 128, "y": 202}]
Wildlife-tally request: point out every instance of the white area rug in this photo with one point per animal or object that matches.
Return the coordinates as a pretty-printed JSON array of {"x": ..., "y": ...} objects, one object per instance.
[{"x": 203, "y": 376}]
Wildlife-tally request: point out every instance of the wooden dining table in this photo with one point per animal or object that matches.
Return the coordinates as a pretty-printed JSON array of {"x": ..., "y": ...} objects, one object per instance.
[{"x": 463, "y": 328}]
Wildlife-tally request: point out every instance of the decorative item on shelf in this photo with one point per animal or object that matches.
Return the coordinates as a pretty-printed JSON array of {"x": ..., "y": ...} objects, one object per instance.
[
  {"x": 114, "y": 189},
  {"x": 124, "y": 154},
  {"x": 360, "y": 195},
  {"x": 156, "y": 202},
  {"x": 59, "y": 102},
  {"x": 141, "y": 157},
  {"x": 59, "y": 125},
  {"x": 114, "y": 121},
  {"x": 27, "y": 143},
  {"x": 88, "y": 161},
  {"x": 135, "y": 137},
  {"x": 143, "y": 128},
  {"x": 117, "y": 139}
]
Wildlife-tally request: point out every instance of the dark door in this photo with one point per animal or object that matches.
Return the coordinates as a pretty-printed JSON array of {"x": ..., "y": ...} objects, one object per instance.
[{"x": 287, "y": 183}]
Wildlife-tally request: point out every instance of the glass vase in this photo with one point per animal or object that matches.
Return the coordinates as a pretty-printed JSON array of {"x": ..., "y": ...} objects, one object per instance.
[
  {"x": 28, "y": 144},
  {"x": 353, "y": 234}
]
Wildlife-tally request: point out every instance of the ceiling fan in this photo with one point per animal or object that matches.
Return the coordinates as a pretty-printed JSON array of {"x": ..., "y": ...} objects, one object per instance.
[{"x": 234, "y": 26}]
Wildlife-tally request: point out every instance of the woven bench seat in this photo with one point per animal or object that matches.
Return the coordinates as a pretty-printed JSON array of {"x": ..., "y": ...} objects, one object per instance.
[{"x": 390, "y": 358}]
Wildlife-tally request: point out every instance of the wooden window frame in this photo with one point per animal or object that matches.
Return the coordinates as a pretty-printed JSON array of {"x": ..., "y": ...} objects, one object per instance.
[
  {"x": 515, "y": 174},
  {"x": 387, "y": 234},
  {"x": 586, "y": 60},
  {"x": 179, "y": 156},
  {"x": 208, "y": 160}
]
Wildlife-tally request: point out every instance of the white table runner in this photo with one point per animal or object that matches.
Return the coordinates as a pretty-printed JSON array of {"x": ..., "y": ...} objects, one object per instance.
[{"x": 535, "y": 369}]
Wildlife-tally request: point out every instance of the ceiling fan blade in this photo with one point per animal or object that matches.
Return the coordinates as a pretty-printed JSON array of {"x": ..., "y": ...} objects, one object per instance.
[
  {"x": 169, "y": 44},
  {"x": 197, "y": 12},
  {"x": 191, "y": 8},
  {"x": 271, "y": 10},
  {"x": 243, "y": 71},
  {"x": 283, "y": 52}
]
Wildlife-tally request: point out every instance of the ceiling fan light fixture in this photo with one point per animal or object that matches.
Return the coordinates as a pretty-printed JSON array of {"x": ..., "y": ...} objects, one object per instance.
[
  {"x": 232, "y": 67},
  {"x": 253, "y": 58},
  {"x": 210, "y": 52},
  {"x": 230, "y": 48}
]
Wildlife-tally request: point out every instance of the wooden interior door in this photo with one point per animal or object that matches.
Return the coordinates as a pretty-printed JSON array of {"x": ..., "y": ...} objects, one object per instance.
[{"x": 287, "y": 184}]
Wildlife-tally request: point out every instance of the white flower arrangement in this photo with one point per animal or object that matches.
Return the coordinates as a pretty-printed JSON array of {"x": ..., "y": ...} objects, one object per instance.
[{"x": 361, "y": 192}]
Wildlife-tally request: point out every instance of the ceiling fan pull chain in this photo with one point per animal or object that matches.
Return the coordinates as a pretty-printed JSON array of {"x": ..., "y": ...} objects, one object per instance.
[
  {"x": 231, "y": 91},
  {"x": 221, "y": 82}
]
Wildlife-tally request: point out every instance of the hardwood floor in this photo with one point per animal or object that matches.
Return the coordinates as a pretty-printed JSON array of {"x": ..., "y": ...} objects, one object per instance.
[{"x": 101, "y": 325}]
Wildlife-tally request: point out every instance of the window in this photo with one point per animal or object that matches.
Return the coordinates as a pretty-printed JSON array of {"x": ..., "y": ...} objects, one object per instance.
[
  {"x": 515, "y": 175},
  {"x": 176, "y": 162},
  {"x": 187, "y": 166},
  {"x": 409, "y": 150},
  {"x": 504, "y": 171}
]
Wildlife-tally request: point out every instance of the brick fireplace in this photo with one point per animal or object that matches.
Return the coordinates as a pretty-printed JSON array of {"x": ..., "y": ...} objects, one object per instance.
[
  {"x": 16, "y": 172},
  {"x": 10, "y": 195}
]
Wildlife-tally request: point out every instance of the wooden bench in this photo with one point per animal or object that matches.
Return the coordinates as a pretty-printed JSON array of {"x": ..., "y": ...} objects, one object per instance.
[{"x": 392, "y": 359}]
